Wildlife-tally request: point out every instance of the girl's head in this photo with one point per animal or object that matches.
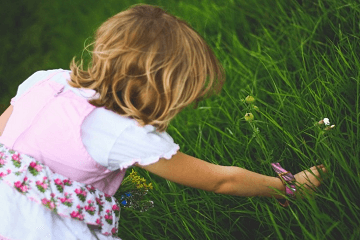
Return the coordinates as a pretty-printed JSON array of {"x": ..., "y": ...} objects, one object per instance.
[{"x": 148, "y": 65}]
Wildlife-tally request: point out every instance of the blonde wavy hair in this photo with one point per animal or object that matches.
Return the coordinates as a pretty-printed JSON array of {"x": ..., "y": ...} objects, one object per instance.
[{"x": 148, "y": 65}]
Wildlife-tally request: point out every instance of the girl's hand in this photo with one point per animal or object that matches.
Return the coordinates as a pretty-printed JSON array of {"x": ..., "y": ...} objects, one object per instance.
[{"x": 306, "y": 181}]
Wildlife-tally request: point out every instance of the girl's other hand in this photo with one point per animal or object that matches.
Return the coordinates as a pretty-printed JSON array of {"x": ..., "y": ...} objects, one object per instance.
[{"x": 307, "y": 181}]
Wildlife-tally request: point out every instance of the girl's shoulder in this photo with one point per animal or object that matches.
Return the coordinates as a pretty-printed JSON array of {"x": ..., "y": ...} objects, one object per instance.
[
  {"x": 33, "y": 79},
  {"x": 41, "y": 75}
]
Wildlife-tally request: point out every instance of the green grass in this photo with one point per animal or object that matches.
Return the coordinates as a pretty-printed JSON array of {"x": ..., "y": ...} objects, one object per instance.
[{"x": 299, "y": 59}]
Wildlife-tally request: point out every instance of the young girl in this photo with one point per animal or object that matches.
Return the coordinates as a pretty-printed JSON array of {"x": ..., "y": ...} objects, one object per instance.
[{"x": 69, "y": 136}]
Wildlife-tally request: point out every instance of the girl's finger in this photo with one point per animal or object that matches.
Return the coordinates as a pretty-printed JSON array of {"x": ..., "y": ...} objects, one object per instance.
[{"x": 322, "y": 167}]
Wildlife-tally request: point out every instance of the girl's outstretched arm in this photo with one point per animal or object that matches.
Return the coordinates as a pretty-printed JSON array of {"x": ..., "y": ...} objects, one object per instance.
[
  {"x": 193, "y": 172},
  {"x": 231, "y": 180}
]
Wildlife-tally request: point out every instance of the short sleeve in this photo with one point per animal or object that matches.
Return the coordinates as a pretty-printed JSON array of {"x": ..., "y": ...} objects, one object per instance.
[
  {"x": 142, "y": 145},
  {"x": 29, "y": 82}
]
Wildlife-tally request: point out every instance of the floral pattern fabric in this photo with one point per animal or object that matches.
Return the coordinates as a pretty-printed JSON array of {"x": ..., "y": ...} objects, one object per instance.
[{"x": 57, "y": 193}]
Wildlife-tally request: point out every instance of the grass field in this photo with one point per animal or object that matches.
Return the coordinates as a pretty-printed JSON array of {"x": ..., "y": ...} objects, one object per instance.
[{"x": 299, "y": 59}]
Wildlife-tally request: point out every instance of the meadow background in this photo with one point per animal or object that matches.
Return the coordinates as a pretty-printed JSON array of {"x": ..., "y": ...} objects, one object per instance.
[{"x": 299, "y": 59}]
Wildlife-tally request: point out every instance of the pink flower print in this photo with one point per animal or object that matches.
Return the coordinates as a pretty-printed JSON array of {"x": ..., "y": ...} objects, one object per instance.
[
  {"x": 67, "y": 182},
  {"x": 17, "y": 184},
  {"x": 90, "y": 208},
  {"x": 74, "y": 214},
  {"x": 25, "y": 179},
  {"x": 48, "y": 203},
  {"x": 108, "y": 198},
  {"x": 77, "y": 215},
  {"x": 59, "y": 185},
  {"x": 16, "y": 157},
  {"x": 2, "y": 174},
  {"x": 114, "y": 230},
  {"x": 99, "y": 203},
  {"x": 81, "y": 217},
  {"x": 8, "y": 171},
  {"x": 67, "y": 201},
  {"x": 52, "y": 195},
  {"x": 90, "y": 188},
  {"x": 38, "y": 168},
  {"x": 42, "y": 186},
  {"x": 44, "y": 201},
  {"x": 109, "y": 217},
  {"x": 2, "y": 162},
  {"x": 35, "y": 168},
  {"x": 116, "y": 209},
  {"x": 58, "y": 181},
  {"x": 81, "y": 193},
  {"x": 51, "y": 205},
  {"x": 98, "y": 221},
  {"x": 78, "y": 206},
  {"x": 24, "y": 188}
]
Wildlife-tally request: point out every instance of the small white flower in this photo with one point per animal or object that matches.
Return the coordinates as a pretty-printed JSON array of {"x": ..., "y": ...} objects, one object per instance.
[{"x": 326, "y": 121}]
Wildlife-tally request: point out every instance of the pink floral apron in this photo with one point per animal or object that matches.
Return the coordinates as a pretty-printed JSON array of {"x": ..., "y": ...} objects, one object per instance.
[{"x": 59, "y": 194}]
